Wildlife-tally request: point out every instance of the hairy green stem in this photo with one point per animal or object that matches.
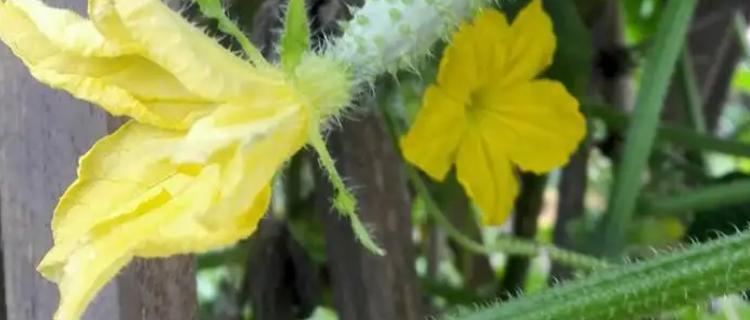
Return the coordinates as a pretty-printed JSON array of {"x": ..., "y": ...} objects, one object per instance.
[
  {"x": 344, "y": 201},
  {"x": 632, "y": 291},
  {"x": 660, "y": 63},
  {"x": 214, "y": 10}
]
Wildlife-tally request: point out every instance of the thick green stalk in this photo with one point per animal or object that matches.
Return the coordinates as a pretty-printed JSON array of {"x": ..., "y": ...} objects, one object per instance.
[
  {"x": 727, "y": 194},
  {"x": 676, "y": 134},
  {"x": 670, "y": 281},
  {"x": 658, "y": 70}
]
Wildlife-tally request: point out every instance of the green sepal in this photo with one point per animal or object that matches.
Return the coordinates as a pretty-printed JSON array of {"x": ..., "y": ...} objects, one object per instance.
[{"x": 295, "y": 40}]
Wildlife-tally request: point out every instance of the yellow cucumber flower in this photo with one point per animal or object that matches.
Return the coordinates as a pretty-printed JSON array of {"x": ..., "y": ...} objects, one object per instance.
[
  {"x": 488, "y": 113},
  {"x": 191, "y": 171}
]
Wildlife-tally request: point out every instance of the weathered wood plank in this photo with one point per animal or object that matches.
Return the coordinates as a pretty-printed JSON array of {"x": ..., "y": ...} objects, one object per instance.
[
  {"x": 161, "y": 289},
  {"x": 42, "y": 134},
  {"x": 365, "y": 286}
]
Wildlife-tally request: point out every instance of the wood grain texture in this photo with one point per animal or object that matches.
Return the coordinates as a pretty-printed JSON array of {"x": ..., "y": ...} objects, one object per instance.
[
  {"x": 367, "y": 287},
  {"x": 282, "y": 280},
  {"x": 42, "y": 134},
  {"x": 158, "y": 289}
]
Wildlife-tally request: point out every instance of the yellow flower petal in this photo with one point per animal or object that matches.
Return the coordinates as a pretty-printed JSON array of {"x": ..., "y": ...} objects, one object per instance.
[
  {"x": 432, "y": 140},
  {"x": 105, "y": 18},
  {"x": 487, "y": 176},
  {"x": 531, "y": 45},
  {"x": 487, "y": 114},
  {"x": 536, "y": 123},
  {"x": 198, "y": 61},
  {"x": 105, "y": 249},
  {"x": 244, "y": 172},
  {"x": 474, "y": 55},
  {"x": 188, "y": 235},
  {"x": 118, "y": 71},
  {"x": 136, "y": 195},
  {"x": 124, "y": 194},
  {"x": 115, "y": 176},
  {"x": 490, "y": 34},
  {"x": 457, "y": 74},
  {"x": 85, "y": 67},
  {"x": 67, "y": 30}
]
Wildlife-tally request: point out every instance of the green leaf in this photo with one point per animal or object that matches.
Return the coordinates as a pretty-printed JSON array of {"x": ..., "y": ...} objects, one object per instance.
[
  {"x": 213, "y": 9},
  {"x": 295, "y": 40},
  {"x": 675, "y": 134},
  {"x": 642, "y": 18},
  {"x": 660, "y": 64},
  {"x": 712, "y": 197},
  {"x": 741, "y": 80}
]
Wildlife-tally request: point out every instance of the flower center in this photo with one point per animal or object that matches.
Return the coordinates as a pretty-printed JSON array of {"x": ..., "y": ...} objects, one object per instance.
[{"x": 477, "y": 104}]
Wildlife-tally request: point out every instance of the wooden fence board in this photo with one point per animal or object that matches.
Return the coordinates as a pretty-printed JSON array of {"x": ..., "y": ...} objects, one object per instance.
[{"x": 42, "y": 134}]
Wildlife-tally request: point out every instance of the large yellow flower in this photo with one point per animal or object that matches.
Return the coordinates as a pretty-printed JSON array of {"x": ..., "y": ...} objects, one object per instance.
[
  {"x": 191, "y": 171},
  {"x": 488, "y": 113}
]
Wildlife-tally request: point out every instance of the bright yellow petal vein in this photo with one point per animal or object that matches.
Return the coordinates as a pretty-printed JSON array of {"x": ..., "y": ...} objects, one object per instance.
[
  {"x": 486, "y": 175},
  {"x": 106, "y": 248},
  {"x": 247, "y": 168},
  {"x": 475, "y": 56},
  {"x": 67, "y": 30},
  {"x": 431, "y": 142},
  {"x": 88, "y": 69},
  {"x": 199, "y": 62},
  {"x": 531, "y": 45},
  {"x": 138, "y": 59},
  {"x": 537, "y": 123}
]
